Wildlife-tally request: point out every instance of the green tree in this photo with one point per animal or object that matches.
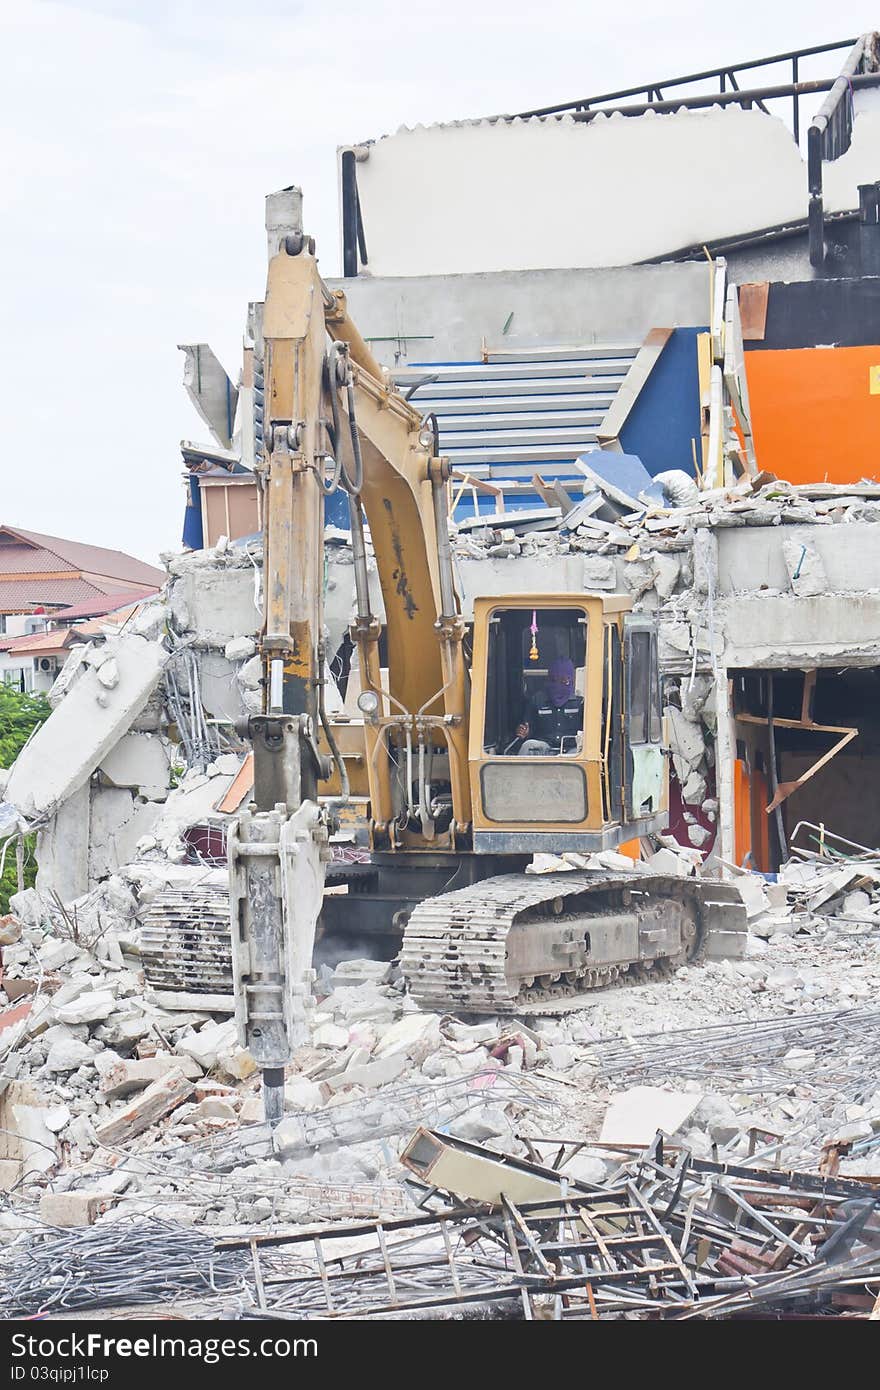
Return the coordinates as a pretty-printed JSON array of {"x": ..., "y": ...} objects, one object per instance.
[{"x": 19, "y": 716}]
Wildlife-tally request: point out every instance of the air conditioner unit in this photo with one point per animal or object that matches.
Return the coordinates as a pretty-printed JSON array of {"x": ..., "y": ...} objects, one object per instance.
[{"x": 46, "y": 663}]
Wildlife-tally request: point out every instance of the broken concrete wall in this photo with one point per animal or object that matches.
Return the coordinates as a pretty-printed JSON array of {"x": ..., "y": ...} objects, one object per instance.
[
  {"x": 63, "y": 848},
  {"x": 134, "y": 714},
  {"x": 112, "y": 687}
]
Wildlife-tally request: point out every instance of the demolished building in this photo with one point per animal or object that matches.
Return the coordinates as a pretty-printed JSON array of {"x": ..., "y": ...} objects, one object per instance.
[{"x": 607, "y": 431}]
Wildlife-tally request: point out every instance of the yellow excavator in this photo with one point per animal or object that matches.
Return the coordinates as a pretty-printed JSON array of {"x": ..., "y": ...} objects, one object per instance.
[{"x": 462, "y": 761}]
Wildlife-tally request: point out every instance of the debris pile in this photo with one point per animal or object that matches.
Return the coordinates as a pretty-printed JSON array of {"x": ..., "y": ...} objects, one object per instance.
[
  {"x": 106, "y": 1066},
  {"x": 666, "y": 1235}
]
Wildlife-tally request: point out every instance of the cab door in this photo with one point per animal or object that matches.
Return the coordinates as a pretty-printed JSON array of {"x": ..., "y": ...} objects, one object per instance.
[{"x": 644, "y": 761}]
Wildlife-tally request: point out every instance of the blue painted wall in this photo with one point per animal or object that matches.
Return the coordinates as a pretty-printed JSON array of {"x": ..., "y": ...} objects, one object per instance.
[{"x": 666, "y": 415}]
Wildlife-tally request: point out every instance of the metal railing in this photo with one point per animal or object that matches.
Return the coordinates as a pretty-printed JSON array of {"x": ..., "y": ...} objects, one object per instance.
[
  {"x": 830, "y": 132},
  {"x": 728, "y": 87}
]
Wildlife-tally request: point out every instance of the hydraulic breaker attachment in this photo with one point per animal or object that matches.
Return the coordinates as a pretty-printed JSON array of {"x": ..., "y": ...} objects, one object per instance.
[{"x": 277, "y": 863}]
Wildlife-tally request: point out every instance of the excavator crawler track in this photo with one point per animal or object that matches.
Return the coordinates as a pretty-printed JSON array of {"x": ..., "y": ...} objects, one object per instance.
[{"x": 532, "y": 944}]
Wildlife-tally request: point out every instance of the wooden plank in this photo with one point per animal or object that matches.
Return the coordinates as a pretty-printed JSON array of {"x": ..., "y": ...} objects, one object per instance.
[
  {"x": 239, "y": 787},
  {"x": 753, "y": 310},
  {"x": 735, "y": 378}
]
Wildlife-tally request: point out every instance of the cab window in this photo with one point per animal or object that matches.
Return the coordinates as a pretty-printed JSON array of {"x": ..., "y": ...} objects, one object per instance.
[{"x": 535, "y": 682}]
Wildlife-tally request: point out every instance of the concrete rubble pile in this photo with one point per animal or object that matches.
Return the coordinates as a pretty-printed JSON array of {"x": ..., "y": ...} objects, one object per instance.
[{"x": 115, "y": 1107}]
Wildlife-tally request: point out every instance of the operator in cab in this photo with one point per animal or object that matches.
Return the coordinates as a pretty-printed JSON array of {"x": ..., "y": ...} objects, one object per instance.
[{"x": 557, "y": 716}]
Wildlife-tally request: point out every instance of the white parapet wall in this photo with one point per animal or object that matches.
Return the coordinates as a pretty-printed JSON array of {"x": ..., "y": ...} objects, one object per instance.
[{"x": 556, "y": 192}]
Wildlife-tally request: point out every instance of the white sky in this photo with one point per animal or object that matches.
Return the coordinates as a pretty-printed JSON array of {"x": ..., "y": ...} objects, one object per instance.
[{"x": 138, "y": 138}]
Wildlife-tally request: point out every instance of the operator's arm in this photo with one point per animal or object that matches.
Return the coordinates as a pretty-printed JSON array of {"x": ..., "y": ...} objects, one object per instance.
[{"x": 527, "y": 722}]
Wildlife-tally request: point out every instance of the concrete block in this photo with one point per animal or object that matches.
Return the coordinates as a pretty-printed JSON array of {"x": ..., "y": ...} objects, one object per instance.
[
  {"x": 634, "y": 1116},
  {"x": 302, "y": 1094},
  {"x": 216, "y": 603},
  {"x": 560, "y": 1057},
  {"x": 212, "y": 1108},
  {"x": 124, "y": 1078},
  {"x": 686, "y": 742},
  {"x": 752, "y": 890},
  {"x": 221, "y": 694},
  {"x": 351, "y": 973},
  {"x": 667, "y": 570},
  {"x": 806, "y": 572},
  {"x": 370, "y": 1075},
  {"x": 237, "y": 1063},
  {"x": 56, "y": 1117},
  {"x": 69, "y": 1055},
  {"x": 584, "y": 1168},
  {"x": 123, "y": 1031},
  {"x": 666, "y": 861},
  {"x": 93, "y": 1006},
  {"x": 251, "y": 674},
  {"x": 83, "y": 728},
  {"x": 68, "y": 673},
  {"x": 152, "y": 1105},
  {"x": 10, "y": 1173},
  {"x": 56, "y": 953},
  {"x": 411, "y": 1034},
  {"x": 206, "y": 1045},
  {"x": 240, "y": 648},
  {"x": 37, "y": 1144},
  {"x": 330, "y": 1035},
  {"x": 10, "y": 930},
  {"x": 599, "y": 573},
  {"x": 72, "y": 1209},
  {"x": 81, "y": 1133},
  {"x": 118, "y": 823},
  {"x": 108, "y": 673},
  {"x": 137, "y": 760}
]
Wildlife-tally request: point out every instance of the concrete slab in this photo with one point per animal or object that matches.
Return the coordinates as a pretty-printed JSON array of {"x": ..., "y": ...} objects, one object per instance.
[
  {"x": 137, "y": 760},
  {"x": 634, "y": 1116},
  {"x": 63, "y": 848},
  {"x": 80, "y": 732}
]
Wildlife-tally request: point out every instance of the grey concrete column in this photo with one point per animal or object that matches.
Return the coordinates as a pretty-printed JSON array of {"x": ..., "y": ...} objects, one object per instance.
[{"x": 725, "y": 759}]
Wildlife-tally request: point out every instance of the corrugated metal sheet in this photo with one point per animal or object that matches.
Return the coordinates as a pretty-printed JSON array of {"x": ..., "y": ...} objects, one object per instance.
[{"x": 520, "y": 412}]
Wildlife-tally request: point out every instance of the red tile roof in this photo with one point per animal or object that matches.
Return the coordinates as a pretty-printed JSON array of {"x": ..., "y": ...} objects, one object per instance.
[
  {"x": 24, "y": 559},
  {"x": 41, "y": 643},
  {"x": 92, "y": 559},
  {"x": 101, "y": 605},
  {"x": 26, "y": 595},
  {"x": 48, "y": 595}
]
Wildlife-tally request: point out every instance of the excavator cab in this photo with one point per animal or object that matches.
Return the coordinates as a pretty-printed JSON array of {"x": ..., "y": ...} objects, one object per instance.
[{"x": 578, "y": 768}]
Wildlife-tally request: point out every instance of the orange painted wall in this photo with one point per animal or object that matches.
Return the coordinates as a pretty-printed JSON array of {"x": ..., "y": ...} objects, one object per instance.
[
  {"x": 814, "y": 417},
  {"x": 750, "y": 823}
]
